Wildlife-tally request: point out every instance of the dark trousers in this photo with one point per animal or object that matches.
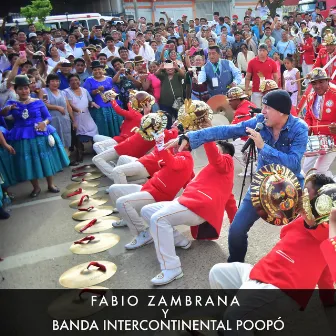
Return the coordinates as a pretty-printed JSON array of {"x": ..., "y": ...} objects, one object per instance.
[
  {"x": 239, "y": 228},
  {"x": 171, "y": 114}
]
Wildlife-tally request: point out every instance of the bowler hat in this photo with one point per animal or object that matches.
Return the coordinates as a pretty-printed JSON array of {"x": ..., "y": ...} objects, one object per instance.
[
  {"x": 96, "y": 64},
  {"x": 21, "y": 80}
]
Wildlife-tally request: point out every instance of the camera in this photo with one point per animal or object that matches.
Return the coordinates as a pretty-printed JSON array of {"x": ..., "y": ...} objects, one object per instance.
[{"x": 128, "y": 71}]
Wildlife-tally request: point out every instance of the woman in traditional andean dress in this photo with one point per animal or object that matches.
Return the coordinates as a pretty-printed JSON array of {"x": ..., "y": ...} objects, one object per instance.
[
  {"x": 107, "y": 120},
  {"x": 39, "y": 151},
  {"x": 80, "y": 101},
  {"x": 59, "y": 109}
]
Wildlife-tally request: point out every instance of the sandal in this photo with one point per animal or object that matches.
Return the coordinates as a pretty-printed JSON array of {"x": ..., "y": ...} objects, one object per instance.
[
  {"x": 34, "y": 193},
  {"x": 53, "y": 190}
]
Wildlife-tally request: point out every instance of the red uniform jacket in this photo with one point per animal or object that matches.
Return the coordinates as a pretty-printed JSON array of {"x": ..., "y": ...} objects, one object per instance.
[
  {"x": 209, "y": 194},
  {"x": 327, "y": 112},
  {"x": 242, "y": 110},
  {"x": 296, "y": 261},
  {"x": 328, "y": 248},
  {"x": 309, "y": 55},
  {"x": 135, "y": 146},
  {"x": 174, "y": 175},
  {"x": 152, "y": 160},
  {"x": 132, "y": 119},
  {"x": 322, "y": 59}
]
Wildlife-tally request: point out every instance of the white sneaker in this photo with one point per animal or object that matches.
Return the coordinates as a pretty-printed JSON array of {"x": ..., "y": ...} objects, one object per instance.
[
  {"x": 143, "y": 238},
  {"x": 167, "y": 276},
  {"x": 184, "y": 244},
  {"x": 119, "y": 223}
]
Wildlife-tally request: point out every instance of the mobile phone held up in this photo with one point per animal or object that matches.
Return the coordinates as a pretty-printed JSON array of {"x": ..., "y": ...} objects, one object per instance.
[
  {"x": 80, "y": 45},
  {"x": 22, "y": 54}
]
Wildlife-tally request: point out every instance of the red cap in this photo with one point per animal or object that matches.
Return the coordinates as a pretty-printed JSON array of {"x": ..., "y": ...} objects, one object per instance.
[
  {"x": 238, "y": 23},
  {"x": 235, "y": 16},
  {"x": 184, "y": 15}
]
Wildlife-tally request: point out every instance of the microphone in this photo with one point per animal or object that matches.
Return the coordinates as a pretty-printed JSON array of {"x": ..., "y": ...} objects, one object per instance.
[{"x": 258, "y": 128}]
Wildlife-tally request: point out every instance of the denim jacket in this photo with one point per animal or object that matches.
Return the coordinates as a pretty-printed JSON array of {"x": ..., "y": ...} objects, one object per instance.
[{"x": 287, "y": 150}]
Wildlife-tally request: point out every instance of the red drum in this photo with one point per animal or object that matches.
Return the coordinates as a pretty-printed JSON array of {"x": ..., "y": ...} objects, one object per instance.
[{"x": 319, "y": 145}]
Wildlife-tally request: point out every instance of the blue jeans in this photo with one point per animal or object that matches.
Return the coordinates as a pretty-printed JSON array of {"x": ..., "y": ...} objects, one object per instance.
[{"x": 243, "y": 221}]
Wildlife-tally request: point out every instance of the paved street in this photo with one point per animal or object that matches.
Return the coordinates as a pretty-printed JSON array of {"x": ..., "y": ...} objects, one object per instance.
[{"x": 35, "y": 243}]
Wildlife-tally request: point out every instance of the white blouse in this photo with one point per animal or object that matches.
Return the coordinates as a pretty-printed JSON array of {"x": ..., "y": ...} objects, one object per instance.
[{"x": 242, "y": 61}]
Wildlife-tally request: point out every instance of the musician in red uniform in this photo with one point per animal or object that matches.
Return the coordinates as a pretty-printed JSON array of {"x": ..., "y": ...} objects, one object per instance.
[
  {"x": 326, "y": 56},
  {"x": 138, "y": 170},
  {"x": 320, "y": 117},
  {"x": 307, "y": 51},
  {"x": 299, "y": 260},
  {"x": 132, "y": 118},
  {"x": 174, "y": 174},
  {"x": 201, "y": 206},
  {"x": 241, "y": 107}
]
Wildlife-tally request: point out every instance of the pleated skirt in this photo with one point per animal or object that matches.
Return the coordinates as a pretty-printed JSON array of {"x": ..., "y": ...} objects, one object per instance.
[
  {"x": 7, "y": 170},
  {"x": 35, "y": 158},
  {"x": 107, "y": 121}
]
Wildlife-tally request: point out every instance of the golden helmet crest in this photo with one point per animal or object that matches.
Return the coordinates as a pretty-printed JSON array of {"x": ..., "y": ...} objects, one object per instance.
[
  {"x": 150, "y": 124},
  {"x": 193, "y": 113},
  {"x": 139, "y": 99}
]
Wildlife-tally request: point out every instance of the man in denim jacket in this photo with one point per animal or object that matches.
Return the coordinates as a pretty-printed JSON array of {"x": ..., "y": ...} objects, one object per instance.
[{"x": 282, "y": 140}]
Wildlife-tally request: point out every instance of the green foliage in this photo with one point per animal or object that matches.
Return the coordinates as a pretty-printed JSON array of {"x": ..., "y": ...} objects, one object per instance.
[{"x": 39, "y": 9}]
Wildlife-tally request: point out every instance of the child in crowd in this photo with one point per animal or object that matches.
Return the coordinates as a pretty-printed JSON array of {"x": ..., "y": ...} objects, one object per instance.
[{"x": 290, "y": 76}]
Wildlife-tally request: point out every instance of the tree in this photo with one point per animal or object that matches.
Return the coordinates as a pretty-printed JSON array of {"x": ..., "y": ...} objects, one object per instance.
[
  {"x": 39, "y": 9},
  {"x": 273, "y": 5}
]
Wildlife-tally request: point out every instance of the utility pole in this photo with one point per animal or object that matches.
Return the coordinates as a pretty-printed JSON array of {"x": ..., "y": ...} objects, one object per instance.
[{"x": 136, "y": 14}]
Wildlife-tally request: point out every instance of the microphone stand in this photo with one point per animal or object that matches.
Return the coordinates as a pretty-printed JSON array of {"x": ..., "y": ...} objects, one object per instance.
[{"x": 251, "y": 157}]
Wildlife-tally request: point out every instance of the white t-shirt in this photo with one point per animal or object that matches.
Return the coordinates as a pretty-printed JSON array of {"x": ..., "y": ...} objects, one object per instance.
[
  {"x": 109, "y": 53},
  {"x": 53, "y": 63},
  {"x": 320, "y": 25}
]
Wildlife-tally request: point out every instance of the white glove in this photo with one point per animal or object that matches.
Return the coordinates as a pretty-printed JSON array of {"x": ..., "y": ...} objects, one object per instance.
[{"x": 159, "y": 139}]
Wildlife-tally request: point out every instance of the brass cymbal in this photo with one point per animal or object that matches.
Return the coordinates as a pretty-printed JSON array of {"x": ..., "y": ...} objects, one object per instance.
[
  {"x": 87, "y": 274},
  {"x": 99, "y": 212},
  {"x": 82, "y": 184},
  {"x": 78, "y": 193},
  {"x": 87, "y": 201},
  {"x": 96, "y": 243},
  {"x": 85, "y": 168},
  {"x": 96, "y": 225},
  {"x": 220, "y": 104},
  {"x": 75, "y": 304},
  {"x": 77, "y": 177}
]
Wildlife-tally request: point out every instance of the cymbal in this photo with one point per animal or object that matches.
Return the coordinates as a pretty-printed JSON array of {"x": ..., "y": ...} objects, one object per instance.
[
  {"x": 75, "y": 304},
  {"x": 82, "y": 184},
  {"x": 87, "y": 201},
  {"x": 96, "y": 225},
  {"x": 99, "y": 212},
  {"x": 85, "y": 168},
  {"x": 220, "y": 104},
  {"x": 78, "y": 193},
  {"x": 77, "y": 177},
  {"x": 95, "y": 243},
  {"x": 87, "y": 274}
]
